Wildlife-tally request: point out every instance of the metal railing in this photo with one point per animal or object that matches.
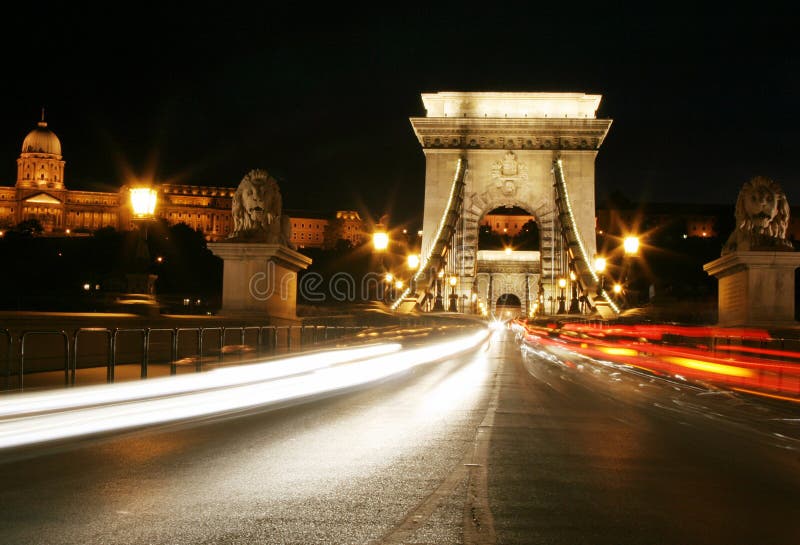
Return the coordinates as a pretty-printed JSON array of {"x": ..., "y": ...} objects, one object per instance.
[{"x": 93, "y": 348}]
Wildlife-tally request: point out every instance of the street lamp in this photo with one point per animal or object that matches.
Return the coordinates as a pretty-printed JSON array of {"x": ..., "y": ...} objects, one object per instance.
[
  {"x": 413, "y": 265},
  {"x": 617, "y": 290},
  {"x": 438, "y": 304},
  {"x": 143, "y": 202},
  {"x": 574, "y": 304},
  {"x": 453, "y": 297},
  {"x": 599, "y": 268},
  {"x": 143, "y": 205},
  {"x": 388, "y": 278},
  {"x": 631, "y": 245},
  {"x": 562, "y": 283},
  {"x": 380, "y": 240}
]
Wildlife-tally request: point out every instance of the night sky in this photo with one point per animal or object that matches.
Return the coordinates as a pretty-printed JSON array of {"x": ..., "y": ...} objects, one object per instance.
[{"x": 701, "y": 101}]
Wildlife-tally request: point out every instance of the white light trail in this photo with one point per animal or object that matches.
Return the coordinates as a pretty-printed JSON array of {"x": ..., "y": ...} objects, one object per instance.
[
  {"x": 26, "y": 403},
  {"x": 269, "y": 389}
]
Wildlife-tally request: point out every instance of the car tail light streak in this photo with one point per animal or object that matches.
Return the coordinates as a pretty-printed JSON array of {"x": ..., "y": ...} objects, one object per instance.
[{"x": 685, "y": 352}]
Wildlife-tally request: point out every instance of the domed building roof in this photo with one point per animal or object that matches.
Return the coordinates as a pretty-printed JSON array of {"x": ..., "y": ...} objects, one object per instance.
[{"x": 41, "y": 140}]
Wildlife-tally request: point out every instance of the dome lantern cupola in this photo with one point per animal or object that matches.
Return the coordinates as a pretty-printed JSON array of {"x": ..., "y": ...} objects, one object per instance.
[{"x": 42, "y": 140}]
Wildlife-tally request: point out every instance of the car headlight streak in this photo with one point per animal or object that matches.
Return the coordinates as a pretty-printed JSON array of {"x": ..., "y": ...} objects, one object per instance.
[{"x": 35, "y": 418}]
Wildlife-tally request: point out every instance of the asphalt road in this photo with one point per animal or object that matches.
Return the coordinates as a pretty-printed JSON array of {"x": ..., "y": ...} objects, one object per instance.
[{"x": 498, "y": 447}]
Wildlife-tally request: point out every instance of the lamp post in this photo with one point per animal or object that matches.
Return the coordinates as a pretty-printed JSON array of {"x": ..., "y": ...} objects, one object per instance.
[
  {"x": 413, "y": 265},
  {"x": 380, "y": 242},
  {"x": 574, "y": 305},
  {"x": 562, "y": 283},
  {"x": 453, "y": 297},
  {"x": 631, "y": 247},
  {"x": 438, "y": 304},
  {"x": 599, "y": 268},
  {"x": 143, "y": 205}
]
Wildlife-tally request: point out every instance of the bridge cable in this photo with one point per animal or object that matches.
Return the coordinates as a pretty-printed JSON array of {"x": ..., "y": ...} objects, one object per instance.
[
  {"x": 572, "y": 234},
  {"x": 445, "y": 231}
]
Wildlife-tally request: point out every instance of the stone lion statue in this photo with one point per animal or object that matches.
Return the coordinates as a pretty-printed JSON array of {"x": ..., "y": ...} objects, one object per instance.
[
  {"x": 762, "y": 218},
  {"x": 257, "y": 211}
]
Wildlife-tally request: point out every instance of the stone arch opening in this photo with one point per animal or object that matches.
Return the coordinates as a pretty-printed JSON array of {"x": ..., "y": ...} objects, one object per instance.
[
  {"x": 508, "y": 226},
  {"x": 508, "y": 306}
]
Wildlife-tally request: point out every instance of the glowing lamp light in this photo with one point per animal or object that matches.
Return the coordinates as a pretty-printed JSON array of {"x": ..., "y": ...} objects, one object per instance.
[
  {"x": 413, "y": 262},
  {"x": 508, "y": 250},
  {"x": 600, "y": 264},
  {"x": 562, "y": 283},
  {"x": 441, "y": 274},
  {"x": 380, "y": 240},
  {"x": 398, "y": 284},
  {"x": 453, "y": 281},
  {"x": 87, "y": 287},
  {"x": 143, "y": 201},
  {"x": 631, "y": 245},
  {"x": 389, "y": 278},
  {"x": 474, "y": 297},
  {"x": 572, "y": 276},
  {"x": 617, "y": 288}
]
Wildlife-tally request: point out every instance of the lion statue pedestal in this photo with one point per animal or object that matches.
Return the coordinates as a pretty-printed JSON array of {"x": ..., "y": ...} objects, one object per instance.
[
  {"x": 259, "y": 276},
  {"x": 756, "y": 272}
]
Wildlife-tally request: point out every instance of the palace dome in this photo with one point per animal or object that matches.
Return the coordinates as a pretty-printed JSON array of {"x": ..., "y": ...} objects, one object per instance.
[{"x": 41, "y": 140}]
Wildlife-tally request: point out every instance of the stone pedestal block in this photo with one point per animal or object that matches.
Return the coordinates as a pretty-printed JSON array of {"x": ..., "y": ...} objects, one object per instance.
[
  {"x": 756, "y": 288},
  {"x": 259, "y": 279}
]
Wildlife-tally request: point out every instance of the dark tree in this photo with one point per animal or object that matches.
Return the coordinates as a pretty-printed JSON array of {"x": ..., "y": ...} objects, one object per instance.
[
  {"x": 31, "y": 227},
  {"x": 528, "y": 237}
]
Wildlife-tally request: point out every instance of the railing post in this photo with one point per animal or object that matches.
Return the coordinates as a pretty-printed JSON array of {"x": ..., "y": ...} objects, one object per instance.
[
  {"x": 173, "y": 366},
  {"x": 112, "y": 359},
  {"x": 9, "y": 348},
  {"x": 198, "y": 366},
  {"x": 145, "y": 352}
]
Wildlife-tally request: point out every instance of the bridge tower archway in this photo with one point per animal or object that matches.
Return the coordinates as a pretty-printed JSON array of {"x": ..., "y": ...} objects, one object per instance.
[
  {"x": 509, "y": 142},
  {"x": 508, "y": 306}
]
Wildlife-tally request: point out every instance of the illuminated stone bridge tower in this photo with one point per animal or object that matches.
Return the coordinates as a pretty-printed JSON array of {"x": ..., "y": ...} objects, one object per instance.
[{"x": 509, "y": 141}]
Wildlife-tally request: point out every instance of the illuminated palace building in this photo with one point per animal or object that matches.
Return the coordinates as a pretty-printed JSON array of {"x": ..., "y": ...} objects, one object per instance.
[{"x": 40, "y": 194}]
